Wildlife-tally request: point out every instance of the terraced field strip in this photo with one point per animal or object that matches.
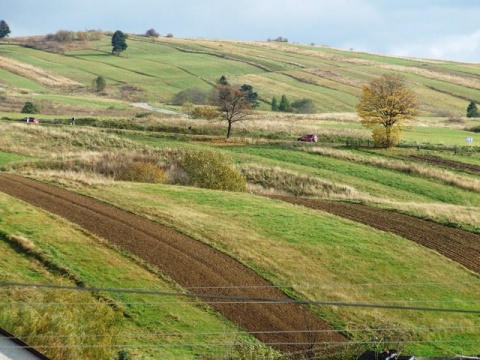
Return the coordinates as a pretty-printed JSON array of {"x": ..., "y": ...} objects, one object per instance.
[
  {"x": 456, "y": 165},
  {"x": 456, "y": 244},
  {"x": 284, "y": 325}
]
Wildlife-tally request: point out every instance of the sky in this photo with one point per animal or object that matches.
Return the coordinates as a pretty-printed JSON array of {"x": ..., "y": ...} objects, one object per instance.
[{"x": 433, "y": 29}]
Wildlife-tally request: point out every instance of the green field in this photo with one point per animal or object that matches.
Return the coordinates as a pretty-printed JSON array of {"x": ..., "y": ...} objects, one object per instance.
[{"x": 309, "y": 254}]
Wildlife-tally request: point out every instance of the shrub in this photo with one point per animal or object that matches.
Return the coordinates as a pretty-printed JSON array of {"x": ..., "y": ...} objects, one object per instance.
[
  {"x": 193, "y": 95},
  {"x": 204, "y": 112},
  {"x": 100, "y": 83},
  {"x": 152, "y": 33},
  {"x": 143, "y": 172},
  {"x": 30, "y": 108},
  {"x": 210, "y": 170},
  {"x": 303, "y": 106},
  {"x": 62, "y": 36}
]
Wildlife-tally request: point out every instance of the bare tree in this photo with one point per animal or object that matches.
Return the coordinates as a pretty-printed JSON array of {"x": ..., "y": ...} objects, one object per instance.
[{"x": 233, "y": 103}]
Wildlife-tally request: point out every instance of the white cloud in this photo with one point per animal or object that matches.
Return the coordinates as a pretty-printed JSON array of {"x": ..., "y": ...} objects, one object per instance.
[{"x": 464, "y": 47}]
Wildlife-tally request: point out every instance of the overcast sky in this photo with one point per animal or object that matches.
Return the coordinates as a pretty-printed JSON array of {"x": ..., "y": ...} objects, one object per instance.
[{"x": 439, "y": 29}]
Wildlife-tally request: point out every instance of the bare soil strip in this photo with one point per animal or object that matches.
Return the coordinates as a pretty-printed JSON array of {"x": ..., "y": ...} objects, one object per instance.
[
  {"x": 456, "y": 244},
  {"x": 194, "y": 265}
]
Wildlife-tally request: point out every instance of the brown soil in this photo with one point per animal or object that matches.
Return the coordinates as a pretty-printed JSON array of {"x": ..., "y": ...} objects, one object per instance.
[
  {"x": 450, "y": 164},
  {"x": 456, "y": 244},
  {"x": 284, "y": 325}
]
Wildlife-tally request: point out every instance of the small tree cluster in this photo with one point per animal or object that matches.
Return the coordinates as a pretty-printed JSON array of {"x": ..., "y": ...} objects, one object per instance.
[
  {"x": 61, "y": 36},
  {"x": 472, "y": 110},
  {"x": 194, "y": 95},
  {"x": 279, "y": 39},
  {"x": 210, "y": 170},
  {"x": 284, "y": 104},
  {"x": 66, "y": 36},
  {"x": 152, "y": 33},
  {"x": 303, "y": 106},
  {"x": 30, "y": 108}
]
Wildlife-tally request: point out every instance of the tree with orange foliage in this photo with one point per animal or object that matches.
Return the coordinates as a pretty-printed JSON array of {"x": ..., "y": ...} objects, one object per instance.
[{"x": 385, "y": 105}]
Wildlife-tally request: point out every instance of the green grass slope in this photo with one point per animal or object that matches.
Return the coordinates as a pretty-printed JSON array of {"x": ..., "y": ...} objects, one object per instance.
[{"x": 159, "y": 68}]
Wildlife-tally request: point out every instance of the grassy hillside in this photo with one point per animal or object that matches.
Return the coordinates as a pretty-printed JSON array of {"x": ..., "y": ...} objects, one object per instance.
[
  {"x": 310, "y": 254},
  {"x": 154, "y": 70}
]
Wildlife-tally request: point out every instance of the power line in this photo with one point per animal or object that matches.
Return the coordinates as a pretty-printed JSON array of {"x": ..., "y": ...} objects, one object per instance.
[
  {"x": 225, "y": 344},
  {"x": 223, "y": 333},
  {"x": 181, "y": 302},
  {"x": 309, "y": 286},
  {"x": 241, "y": 298}
]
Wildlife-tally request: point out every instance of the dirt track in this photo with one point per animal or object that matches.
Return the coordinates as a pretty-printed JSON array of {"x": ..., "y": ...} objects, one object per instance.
[
  {"x": 287, "y": 326},
  {"x": 458, "y": 245}
]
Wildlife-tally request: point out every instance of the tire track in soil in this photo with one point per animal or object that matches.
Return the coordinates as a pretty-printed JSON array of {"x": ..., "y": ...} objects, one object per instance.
[
  {"x": 288, "y": 327},
  {"x": 456, "y": 244}
]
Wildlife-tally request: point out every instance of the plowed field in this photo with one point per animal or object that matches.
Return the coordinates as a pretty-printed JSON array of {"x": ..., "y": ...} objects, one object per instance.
[
  {"x": 284, "y": 325},
  {"x": 458, "y": 245}
]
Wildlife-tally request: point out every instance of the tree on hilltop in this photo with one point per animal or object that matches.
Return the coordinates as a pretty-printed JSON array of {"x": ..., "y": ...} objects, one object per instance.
[
  {"x": 384, "y": 106},
  {"x": 118, "y": 42},
  {"x": 4, "y": 29}
]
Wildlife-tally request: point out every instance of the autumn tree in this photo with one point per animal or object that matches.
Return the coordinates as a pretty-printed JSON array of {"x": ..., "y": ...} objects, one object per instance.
[
  {"x": 384, "y": 106},
  {"x": 118, "y": 42},
  {"x": 233, "y": 104},
  {"x": 4, "y": 29}
]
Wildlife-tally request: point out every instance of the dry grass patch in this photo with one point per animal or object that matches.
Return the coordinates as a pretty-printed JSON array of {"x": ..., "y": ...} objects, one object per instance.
[
  {"x": 465, "y": 216},
  {"x": 36, "y": 74},
  {"x": 42, "y": 141},
  {"x": 277, "y": 180}
]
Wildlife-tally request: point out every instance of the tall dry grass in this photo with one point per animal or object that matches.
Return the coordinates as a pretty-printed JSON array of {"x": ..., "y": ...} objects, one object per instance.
[
  {"x": 61, "y": 332},
  {"x": 58, "y": 331},
  {"x": 49, "y": 141},
  {"x": 36, "y": 74},
  {"x": 456, "y": 215},
  {"x": 276, "y": 180}
]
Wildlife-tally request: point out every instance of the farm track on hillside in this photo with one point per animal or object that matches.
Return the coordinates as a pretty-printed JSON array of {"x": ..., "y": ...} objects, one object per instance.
[
  {"x": 202, "y": 270},
  {"x": 450, "y": 164},
  {"x": 456, "y": 244}
]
